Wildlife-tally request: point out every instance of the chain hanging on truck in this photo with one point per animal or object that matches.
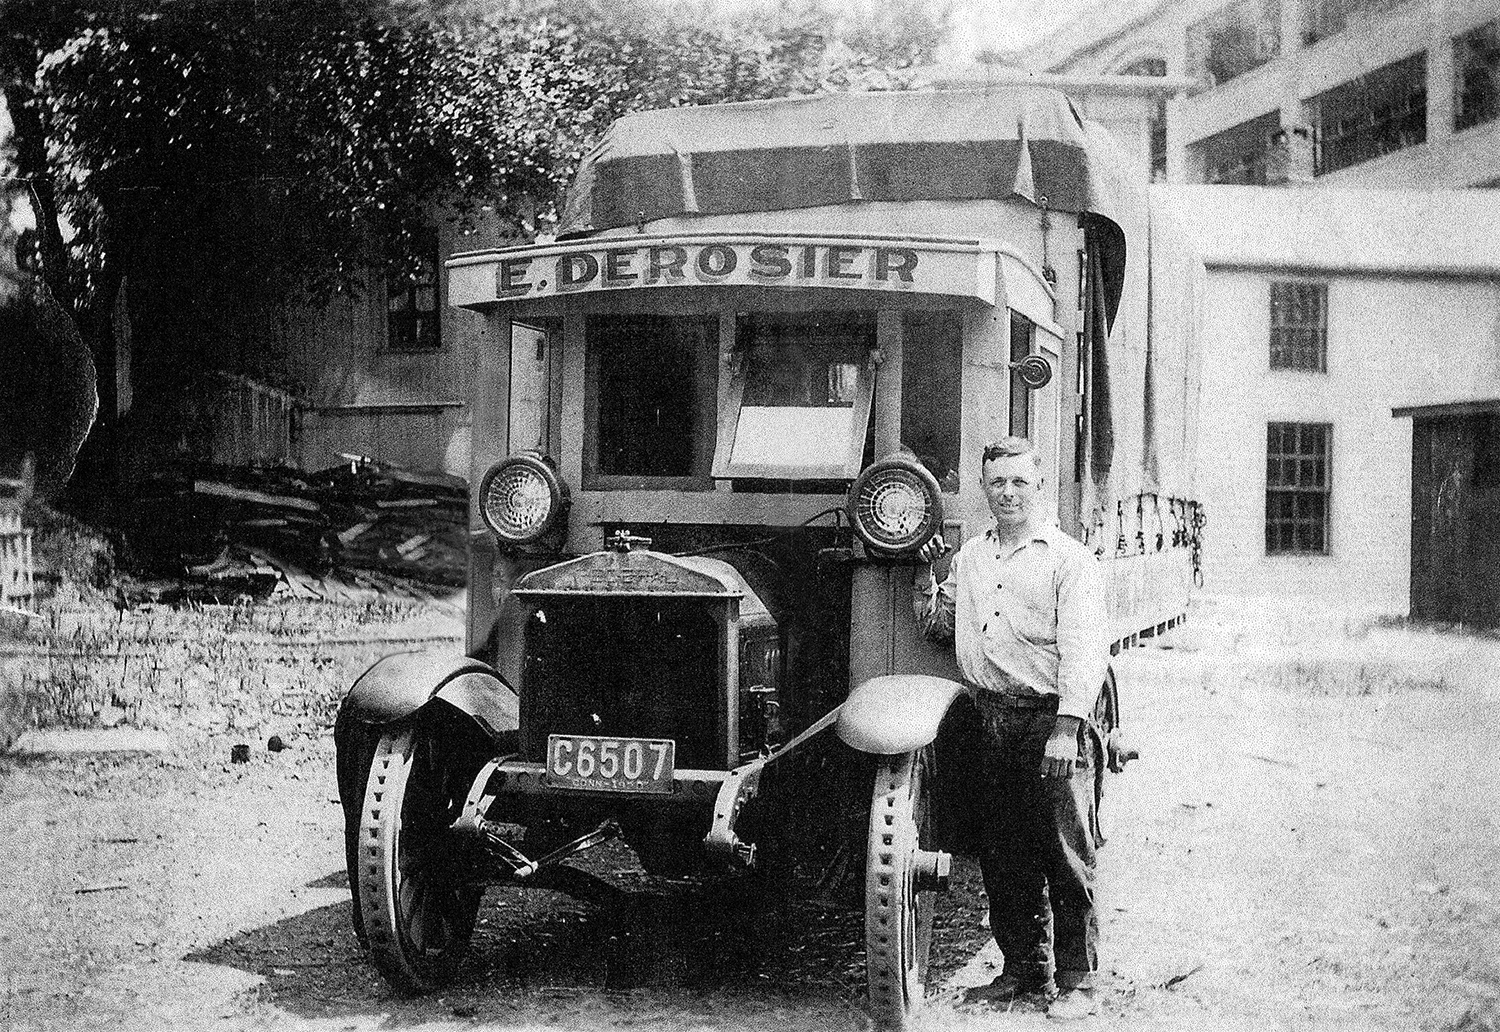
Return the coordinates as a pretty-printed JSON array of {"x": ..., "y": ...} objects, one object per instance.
[
  {"x": 1198, "y": 521},
  {"x": 1048, "y": 272},
  {"x": 1095, "y": 533}
]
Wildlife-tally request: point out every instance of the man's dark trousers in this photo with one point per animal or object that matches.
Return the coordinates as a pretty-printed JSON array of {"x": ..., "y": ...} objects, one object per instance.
[{"x": 1037, "y": 848}]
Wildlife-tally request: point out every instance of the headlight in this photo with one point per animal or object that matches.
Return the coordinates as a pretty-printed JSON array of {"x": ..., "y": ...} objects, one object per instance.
[
  {"x": 895, "y": 506},
  {"x": 521, "y": 498}
]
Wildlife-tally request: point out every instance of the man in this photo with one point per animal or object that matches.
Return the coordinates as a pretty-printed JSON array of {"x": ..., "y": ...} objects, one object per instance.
[{"x": 1024, "y": 605}]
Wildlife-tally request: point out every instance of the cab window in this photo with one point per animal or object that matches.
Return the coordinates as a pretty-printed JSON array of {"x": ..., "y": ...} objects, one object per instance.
[
  {"x": 799, "y": 398},
  {"x": 931, "y": 391},
  {"x": 650, "y": 400}
]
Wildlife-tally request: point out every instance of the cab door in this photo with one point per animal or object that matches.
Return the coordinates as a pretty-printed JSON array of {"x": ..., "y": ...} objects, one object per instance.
[{"x": 1034, "y": 412}]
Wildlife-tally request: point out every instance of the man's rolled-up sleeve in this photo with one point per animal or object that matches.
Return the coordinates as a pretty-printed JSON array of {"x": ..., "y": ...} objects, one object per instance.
[
  {"x": 934, "y": 602},
  {"x": 1082, "y": 636}
]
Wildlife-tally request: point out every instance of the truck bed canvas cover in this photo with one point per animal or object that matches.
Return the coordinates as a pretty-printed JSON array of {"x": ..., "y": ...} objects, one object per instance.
[{"x": 802, "y": 152}]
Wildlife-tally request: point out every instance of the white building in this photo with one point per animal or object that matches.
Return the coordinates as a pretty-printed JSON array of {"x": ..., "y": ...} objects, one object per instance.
[
  {"x": 1368, "y": 282},
  {"x": 1389, "y": 93},
  {"x": 1375, "y": 300}
]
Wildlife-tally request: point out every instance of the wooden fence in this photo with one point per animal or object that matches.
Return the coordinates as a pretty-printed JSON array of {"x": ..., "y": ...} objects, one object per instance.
[{"x": 17, "y": 573}]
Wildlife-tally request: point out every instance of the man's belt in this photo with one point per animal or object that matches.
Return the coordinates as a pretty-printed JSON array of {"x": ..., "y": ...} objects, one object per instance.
[{"x": 987, "y": 700}]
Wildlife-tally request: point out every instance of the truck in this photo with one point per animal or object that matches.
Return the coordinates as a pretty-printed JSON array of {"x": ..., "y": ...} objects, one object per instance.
[{"x": 714, "y": 419}]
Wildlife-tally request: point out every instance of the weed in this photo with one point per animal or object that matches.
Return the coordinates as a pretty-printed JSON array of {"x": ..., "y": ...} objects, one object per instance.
[
  {"x": 246, "y": 665},
  {"x": 1345, "y": 677}
]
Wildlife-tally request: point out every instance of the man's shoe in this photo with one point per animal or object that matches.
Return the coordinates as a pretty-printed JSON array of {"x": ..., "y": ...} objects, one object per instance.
[
  {"x": 1007, "y": 987},
  {"x": 1073, "y": 1005}
]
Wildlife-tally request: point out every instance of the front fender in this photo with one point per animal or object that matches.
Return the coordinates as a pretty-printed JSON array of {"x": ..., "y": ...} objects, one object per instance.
[
  {"x": 895, "y": 713},
  {"x": 394, "y": 688},
  {"x": 398, "y": 685}
]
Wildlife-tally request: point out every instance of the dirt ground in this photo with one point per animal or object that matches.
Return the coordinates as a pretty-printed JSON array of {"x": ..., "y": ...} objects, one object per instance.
[{"x": 1308, "y": 842}]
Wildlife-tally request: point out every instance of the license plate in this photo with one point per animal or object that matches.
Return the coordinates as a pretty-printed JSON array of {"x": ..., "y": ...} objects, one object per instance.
[{"x": 610, "y": 764}]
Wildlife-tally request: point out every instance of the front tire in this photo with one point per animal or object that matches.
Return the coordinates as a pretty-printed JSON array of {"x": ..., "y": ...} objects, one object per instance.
[
  {"x": 417, "y": 914},
  {"x": 898, "y": 915}
]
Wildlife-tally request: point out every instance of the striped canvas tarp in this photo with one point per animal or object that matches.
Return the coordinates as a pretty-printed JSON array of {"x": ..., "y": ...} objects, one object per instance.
[{"x": 802, "y": 152}]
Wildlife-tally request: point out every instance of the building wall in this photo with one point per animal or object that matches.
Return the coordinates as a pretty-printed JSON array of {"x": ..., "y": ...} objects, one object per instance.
[
  {"x": 365, "y": 397},
  {"x": 194, "y": 332},
  {"x": 1108, "y": 43},
  {"x": 1390, "y": 339}
]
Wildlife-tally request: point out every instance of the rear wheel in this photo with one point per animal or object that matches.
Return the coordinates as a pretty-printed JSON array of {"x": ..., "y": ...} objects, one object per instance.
[
  {"x": 417, "y": 913},
  {"x": 1104, "y": 756},
  {"x": 898, "y": 900}
]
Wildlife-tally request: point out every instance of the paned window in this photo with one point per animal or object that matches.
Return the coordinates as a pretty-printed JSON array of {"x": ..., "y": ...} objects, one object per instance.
[
  {"x": 1234, "y": 40},
  {"x": 411, "y": 298},
  {"x": 1238, "y": 154},
  {"x": 1299, "y": 326},
  {"x": 1375, "y": 114},
  {"x": 1324, "y": 18},
  {"x": 1476, "y": 78},
  {"x": 1298, "y": 488}
]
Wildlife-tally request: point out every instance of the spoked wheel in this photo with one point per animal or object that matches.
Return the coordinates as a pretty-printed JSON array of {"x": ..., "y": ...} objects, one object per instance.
[
  {"x": 902, "y": 871},
  {"x": 1112, "y": 753},
  {"x": 1107, "y": 706},
  {"x": 418, "y": 915}
]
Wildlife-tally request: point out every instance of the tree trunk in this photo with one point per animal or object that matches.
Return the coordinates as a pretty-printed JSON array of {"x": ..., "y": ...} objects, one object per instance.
[{"x": 30, "y": 142}]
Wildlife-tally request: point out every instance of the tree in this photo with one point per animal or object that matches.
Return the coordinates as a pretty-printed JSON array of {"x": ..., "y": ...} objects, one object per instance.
[{"x": 324, "y": 132}]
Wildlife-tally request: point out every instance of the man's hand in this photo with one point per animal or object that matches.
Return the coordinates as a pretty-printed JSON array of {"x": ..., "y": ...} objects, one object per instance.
[
  {"x": 1061, "y": 754},
  {"x": 934, "y": 550}
]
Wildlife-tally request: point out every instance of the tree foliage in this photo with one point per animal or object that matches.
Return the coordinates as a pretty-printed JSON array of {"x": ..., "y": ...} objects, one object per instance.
[{"x": 332, "y": 127}]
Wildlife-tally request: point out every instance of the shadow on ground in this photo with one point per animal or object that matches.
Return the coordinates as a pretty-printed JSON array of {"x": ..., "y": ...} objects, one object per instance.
[
  {"x": 737, "y": 952},
  {"x": 687, "y": 949}
]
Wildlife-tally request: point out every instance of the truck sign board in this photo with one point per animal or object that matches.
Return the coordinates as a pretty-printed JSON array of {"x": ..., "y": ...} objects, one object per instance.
[{"x": 958, "y": 268}]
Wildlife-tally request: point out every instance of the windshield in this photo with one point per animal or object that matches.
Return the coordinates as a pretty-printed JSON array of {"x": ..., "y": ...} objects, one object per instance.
[
  {"x": 651, "y": 387},
  {"x": 804, "y": 383}
]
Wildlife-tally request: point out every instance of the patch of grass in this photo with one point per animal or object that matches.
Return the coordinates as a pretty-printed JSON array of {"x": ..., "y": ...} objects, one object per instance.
[
  {"x": 251, "y": 667},
  {"x": 1342, "y": 678}
]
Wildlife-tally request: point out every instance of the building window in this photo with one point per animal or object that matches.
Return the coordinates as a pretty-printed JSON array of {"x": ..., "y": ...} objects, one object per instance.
[
  {"x": 1324, "y": 18},
  {"x": 1299, "y": 326},
  {"x": 411, "y": 298},
  {"x": 1476, "y": 79},
  {"x": 1234, "y": 40},
  {"x": 1154, "y": 67},
  {"x": 1298, "y": 488},
  {"x": 1372, "y": 115},
  {"x": 1238, "y": 154}
]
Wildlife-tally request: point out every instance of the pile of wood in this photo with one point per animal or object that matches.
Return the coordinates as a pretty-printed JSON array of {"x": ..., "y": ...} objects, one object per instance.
[
  {"x": 228, "y": 531},
  {"x": 398, "y": 520}
]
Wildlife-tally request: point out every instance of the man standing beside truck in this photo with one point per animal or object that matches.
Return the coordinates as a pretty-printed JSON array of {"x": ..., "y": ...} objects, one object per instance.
[{"x": 1024, "y": 604}]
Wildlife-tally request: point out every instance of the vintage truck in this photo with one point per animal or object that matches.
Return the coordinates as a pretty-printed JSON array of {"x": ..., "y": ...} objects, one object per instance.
[{"x": 713, "y": 421}]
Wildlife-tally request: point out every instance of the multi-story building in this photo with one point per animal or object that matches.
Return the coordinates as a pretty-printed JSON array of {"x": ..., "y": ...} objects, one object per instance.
[
  {"x": 1349, "y": 432},
  {"x": 1384, "y": 93},
  {"x": 1349, "y": 438}
]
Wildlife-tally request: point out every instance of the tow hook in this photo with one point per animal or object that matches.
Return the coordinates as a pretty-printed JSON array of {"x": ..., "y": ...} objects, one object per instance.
[{"x": 932, "y": 869}]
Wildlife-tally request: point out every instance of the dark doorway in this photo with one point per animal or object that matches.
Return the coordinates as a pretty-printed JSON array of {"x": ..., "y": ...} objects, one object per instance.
[{"x": 1455, "y": 515}]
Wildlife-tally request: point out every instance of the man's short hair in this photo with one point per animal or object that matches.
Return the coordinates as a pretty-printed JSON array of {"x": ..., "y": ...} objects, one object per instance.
[{"x": 1008, "y": 447}]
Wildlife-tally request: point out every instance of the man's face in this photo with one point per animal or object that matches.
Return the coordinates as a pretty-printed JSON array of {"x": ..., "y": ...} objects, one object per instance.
[{"x": 1013, "y": 487}]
